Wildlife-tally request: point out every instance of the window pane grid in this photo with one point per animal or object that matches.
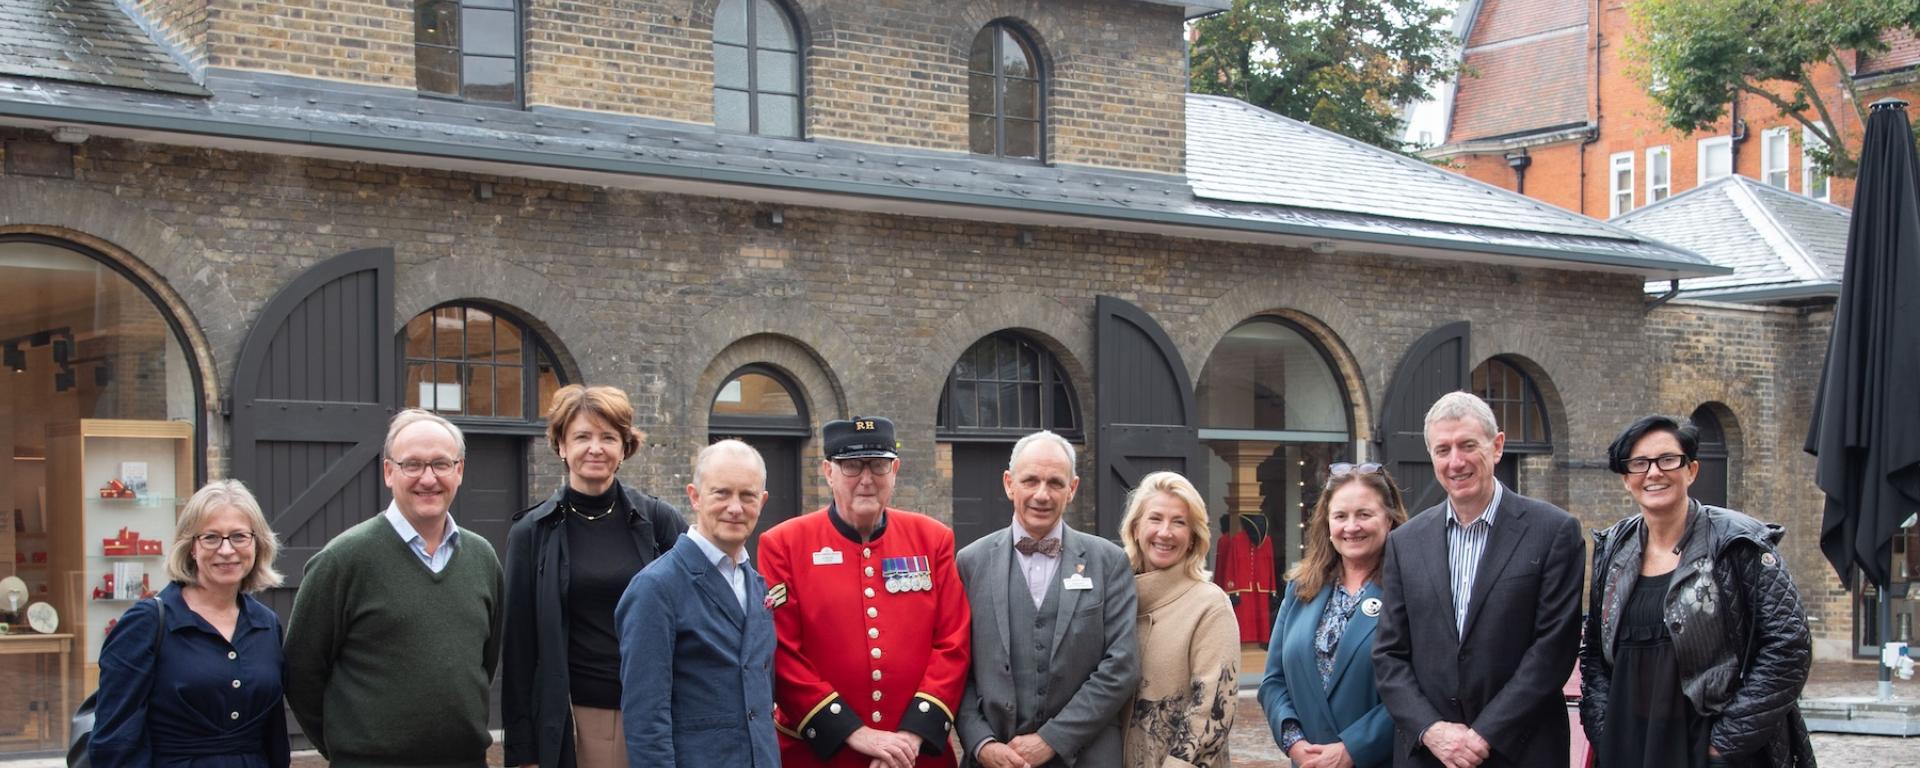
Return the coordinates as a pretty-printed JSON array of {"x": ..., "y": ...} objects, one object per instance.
[
  {"x": 757, "y": 70},
  {"x": 468, "y": 49},
  {"x": 1004, "y": 66},
  {"x": 1004, "y": 382},
  {"x": 1515, "y": 402},
  {"x": 466, "y": 361}
]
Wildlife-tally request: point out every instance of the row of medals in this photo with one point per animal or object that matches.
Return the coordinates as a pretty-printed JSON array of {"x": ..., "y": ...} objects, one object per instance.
[{"x": 908, "y": 577}]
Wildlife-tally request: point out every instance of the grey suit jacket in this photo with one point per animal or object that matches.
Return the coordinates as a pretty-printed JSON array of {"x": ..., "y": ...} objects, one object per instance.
[
  {"x": 1502, "y": 676},
  {"x": 1096, "y": 654}
]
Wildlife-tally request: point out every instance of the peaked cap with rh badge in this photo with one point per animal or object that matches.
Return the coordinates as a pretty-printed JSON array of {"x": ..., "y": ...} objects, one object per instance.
[{"x": 860, "y": 437}]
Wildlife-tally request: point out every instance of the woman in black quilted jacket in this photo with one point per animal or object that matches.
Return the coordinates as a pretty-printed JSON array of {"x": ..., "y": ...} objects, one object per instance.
[{"x": 1696, "y": 644}]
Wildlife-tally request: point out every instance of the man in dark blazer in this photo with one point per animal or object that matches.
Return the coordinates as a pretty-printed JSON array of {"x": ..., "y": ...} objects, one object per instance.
[
  {"x": 1482, "y": 609},
  {"x": 696, "y": 636},
  {"x": 1055, "y": 657}
]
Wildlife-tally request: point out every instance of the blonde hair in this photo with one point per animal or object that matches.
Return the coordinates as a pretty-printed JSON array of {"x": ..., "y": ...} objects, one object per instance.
[
  {"x": 211, "y": 498},
  {"x": 1171, "y": 484},
  {"x": 1321, "y": 565}
]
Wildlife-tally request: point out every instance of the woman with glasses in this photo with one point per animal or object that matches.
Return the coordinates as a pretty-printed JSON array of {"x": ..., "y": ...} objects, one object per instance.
[
  {"x": 1318, "y": 693},
  {"x": 568, "y": 561},
  {"x": 1696, "y": 645},
  {"x": 1189, "y": 639},
  {"x": 192, "y": 676}
]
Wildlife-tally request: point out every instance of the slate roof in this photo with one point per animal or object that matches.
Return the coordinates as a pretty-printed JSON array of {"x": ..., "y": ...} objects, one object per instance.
[
  {"x": 1780, "y": 245},
  {"x": 1527, "y": 65},
  {"x": 1252, "y": 175},
  {"x": 85, "y": 41}
]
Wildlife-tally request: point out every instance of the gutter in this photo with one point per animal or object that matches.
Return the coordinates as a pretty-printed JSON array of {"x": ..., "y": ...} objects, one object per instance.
[
  {"x": 1797, "y": 291},
  {"x": 1211, "y": 227},
  {"x": 1511, "y": 143}
]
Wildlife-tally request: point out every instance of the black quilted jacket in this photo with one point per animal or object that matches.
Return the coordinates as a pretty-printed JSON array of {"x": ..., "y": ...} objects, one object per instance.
[{"x": 1739, "y": 633}]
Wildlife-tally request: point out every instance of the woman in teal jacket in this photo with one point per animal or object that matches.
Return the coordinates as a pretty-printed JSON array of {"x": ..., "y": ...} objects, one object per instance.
[{"x": 1318, "y": 693}]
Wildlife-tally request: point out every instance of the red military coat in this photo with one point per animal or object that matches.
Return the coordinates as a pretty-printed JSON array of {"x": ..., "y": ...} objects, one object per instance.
[
  {"x": 1245, "y": 571},
  {"x": 851, "y": 652}
]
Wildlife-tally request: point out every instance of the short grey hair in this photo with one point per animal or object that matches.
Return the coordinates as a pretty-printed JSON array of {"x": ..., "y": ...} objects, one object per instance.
[
  {"x": 1044, "y": 436},
  {"x": 1460, "y": 405},
  {"x": 412, "y": 416},
  {"x": 211, "y": 498},
  {"x": 733, "y": 449}
]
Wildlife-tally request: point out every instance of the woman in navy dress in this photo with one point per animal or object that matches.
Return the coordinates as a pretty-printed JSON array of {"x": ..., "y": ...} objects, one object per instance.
[{"x": 206, "y": 693}]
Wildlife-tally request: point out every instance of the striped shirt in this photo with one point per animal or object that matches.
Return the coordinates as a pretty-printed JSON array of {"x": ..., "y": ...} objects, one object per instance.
[{"x": 1465, "y": 545}]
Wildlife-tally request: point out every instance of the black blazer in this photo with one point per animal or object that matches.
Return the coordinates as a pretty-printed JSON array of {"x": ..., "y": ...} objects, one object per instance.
[
  {"x": 534, "y": 700},
  {"x": 1503, "y": 675}
]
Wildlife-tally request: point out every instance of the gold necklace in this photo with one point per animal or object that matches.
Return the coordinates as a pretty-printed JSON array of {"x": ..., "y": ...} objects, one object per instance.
[{"x": 592, "y": 518}]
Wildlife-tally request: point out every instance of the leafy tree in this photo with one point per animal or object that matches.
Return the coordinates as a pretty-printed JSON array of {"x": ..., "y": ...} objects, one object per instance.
[
  {"x": 1696, "y": 56},
  {"x": 1343, "y": 65}
]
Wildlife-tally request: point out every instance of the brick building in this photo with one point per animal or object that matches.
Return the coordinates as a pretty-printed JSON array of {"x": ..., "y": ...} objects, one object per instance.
[{"x": 271, "y": 224}]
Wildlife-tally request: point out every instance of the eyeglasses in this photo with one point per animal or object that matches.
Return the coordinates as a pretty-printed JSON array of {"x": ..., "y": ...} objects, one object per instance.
[
  {"x": 878, "y": 465},
  {"x": 412, "y": 468},
  {"x": 1667, "y": 462},
  {"x": 1342, "y": 469},
  {"x": 239, "y": 540}
]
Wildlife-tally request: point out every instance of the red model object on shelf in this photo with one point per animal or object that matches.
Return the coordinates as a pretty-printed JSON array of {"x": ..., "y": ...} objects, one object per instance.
[
  {"x": 114, "y": 489},
  {"x": 105, "y": 590}
]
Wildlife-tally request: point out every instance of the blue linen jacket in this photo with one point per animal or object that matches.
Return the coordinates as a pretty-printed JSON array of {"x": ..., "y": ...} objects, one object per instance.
[
  {"x": 1350, "y": 711},
  {"x": 202, "y": 700},
  {"x": 696, "y": 672}
]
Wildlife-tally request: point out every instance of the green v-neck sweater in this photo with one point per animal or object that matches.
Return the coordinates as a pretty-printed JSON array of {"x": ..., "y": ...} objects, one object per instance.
[{"x": 388, "y": 663}]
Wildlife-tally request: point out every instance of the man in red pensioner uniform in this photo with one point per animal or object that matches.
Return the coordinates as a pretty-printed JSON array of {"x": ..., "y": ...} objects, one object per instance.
[{"x": 871, "y": 617}]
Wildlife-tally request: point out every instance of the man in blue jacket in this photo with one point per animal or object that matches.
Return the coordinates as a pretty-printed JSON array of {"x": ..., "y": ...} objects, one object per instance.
[{"x": 696, "y": 637}]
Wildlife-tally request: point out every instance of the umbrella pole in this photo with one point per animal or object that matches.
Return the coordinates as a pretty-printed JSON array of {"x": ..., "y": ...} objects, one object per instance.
[{"x": 1883, "y": 628}]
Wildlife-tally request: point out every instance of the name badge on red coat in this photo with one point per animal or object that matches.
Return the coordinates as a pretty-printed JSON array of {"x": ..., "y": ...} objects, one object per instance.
[{"x": 828, "y": 556}]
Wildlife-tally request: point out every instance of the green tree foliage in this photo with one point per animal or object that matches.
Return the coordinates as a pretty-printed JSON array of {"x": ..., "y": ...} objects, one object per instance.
[
  {"x": 1696, "y": 56},
  {"x": 1343, "y": 65}
]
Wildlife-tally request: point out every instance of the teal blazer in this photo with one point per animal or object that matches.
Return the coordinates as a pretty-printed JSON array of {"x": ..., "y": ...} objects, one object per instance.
[{"x": 1350, "y": 711}]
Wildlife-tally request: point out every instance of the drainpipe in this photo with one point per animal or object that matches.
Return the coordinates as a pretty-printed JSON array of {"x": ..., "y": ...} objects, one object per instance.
[
  {"x": 1673, "y": 289},
  {"x": 1519, "y": 160},
  {"x": 1593, "y": 85}
]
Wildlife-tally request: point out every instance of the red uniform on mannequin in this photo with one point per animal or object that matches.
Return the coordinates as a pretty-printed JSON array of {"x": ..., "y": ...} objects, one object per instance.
[{"x": 1244, "y": 569}]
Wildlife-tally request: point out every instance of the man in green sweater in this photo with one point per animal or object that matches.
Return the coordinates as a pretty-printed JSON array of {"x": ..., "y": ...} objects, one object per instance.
[{"x": 395, "y": 631}]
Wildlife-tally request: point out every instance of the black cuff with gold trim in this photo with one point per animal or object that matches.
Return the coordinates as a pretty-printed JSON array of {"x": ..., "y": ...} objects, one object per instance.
[
  {"x": 829, "y": 728},
  {"x": 929, "y": 719}
]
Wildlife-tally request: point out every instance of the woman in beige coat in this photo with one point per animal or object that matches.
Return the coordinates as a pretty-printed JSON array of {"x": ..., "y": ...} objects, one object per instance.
[{"x": 1189, "y": 642}]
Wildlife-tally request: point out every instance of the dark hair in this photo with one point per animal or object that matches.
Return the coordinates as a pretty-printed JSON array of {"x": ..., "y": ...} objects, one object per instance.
[{"x": 1685, "y": 432}]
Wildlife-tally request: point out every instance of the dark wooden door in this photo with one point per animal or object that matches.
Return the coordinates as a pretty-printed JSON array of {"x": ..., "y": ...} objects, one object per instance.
[
  {"x": 1146, "y": 419},
  {"x": 494, "y": 487},
  {"x": 782, "y": 455},
  {"x": 1433, "y": 366},
  {"x": 980, "y": 504}
]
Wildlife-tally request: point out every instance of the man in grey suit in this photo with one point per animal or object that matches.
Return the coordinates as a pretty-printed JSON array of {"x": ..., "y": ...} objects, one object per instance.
[
  {"x": 1482, "y": 610},
  {"x": 1055, "y": 658}
]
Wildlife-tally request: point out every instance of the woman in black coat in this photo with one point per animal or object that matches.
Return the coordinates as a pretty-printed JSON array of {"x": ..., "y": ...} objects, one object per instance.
[
  {"x": 1696, "y": 644},
  {"x": 568, "y": 561}
]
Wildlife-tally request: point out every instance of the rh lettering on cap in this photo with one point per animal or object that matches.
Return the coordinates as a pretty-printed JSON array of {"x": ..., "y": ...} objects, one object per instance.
[{"x": 862, "y": 426}]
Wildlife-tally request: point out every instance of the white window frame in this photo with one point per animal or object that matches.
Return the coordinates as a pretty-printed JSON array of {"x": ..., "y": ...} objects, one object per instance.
[
  {"x": 1809, "y": 174},
  {"x": 1773, "y": 139},
  {"x": 1659, "y": 158},
  {"x": 1617, "y": 186},
  {"x": 1707, "y": 146}
]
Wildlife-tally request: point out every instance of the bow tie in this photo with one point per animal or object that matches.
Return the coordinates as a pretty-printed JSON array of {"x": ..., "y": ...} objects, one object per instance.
[{"x": 1048, "y": 546}]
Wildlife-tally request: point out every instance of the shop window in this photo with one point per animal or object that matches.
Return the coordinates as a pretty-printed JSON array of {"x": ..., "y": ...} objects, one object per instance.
[
  {"x": 756, "y": 69},
  {"x": 100, "y": 409},
  {"x": 1273, "y": 415},
  {"x": 467, "y": 49},
  {"x": 1005, "y": 95},
  {"x": 1520, "y": 412}
]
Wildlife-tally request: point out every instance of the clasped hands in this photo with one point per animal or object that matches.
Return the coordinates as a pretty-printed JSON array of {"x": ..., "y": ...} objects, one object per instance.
[
  {"x": 1456, "y": 745},
  {"x": 889, "y": 749},
  {"x": 1027, "y": 750},
  {"x": 1305, "y": 754}
]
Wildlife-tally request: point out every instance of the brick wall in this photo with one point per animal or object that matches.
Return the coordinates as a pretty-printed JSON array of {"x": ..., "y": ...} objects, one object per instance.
[
  {"x": 1903, "y": 51},
  {"x": 1761, "y": 365},
  {"x": 180, "y": 25},
  {"x": 360, "y": 41}
]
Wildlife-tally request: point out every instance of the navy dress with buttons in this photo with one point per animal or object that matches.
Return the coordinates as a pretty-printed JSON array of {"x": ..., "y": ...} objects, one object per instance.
[{"x": 202, "y": 702}]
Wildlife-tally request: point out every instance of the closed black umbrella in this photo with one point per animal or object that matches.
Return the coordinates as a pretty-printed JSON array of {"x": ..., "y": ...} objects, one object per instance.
[{"x": 1866, "y": 416}]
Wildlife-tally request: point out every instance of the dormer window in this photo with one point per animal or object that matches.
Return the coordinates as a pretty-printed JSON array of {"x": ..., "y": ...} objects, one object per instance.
[
  {"x": 467, "y": 49},
  {"x": 1005, "y": 113},
  {"x": 756, "y": 69}
]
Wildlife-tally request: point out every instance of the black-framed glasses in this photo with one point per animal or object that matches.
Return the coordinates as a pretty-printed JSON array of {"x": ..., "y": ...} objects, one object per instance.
[
  {"x": 1667, "y": 462},
  {"x": 413, "y": 468},
  {"x": 239, "y": 540},
  {"x": 878, "y": 465}
]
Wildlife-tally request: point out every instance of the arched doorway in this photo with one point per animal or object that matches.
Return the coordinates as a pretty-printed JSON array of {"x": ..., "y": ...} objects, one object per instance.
[
  {"x": 101, "y": 411},
  {"x": 1711, "y": 487},
  {"x": 1520, "y": 412},
  {"x": 484, "y": 369},
  {"x": 1003, "y": 387},
  {"x": 762, "y": 406},
  {"x": 1273, "y": 415}
]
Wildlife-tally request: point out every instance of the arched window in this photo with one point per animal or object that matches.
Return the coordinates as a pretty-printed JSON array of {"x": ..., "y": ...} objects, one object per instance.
[
  {"x": 466, "y": 360},
  {"x": 1005, "y": 101},
  {"x": 1518, "y": 409},
  {"x": 761, "y": 405},
  {"x": 1007, "y": 385},
  {"x": 756, "y": 69},
  {"x": 467, "y": 49},
  {"x": 1711, "y": 486}
]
